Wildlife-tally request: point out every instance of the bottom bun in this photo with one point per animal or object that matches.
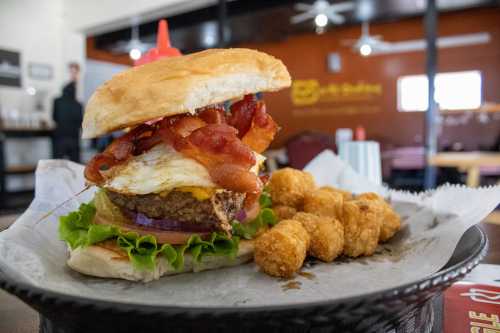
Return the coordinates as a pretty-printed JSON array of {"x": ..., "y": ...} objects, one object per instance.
[{"x": 105, "y": 262}]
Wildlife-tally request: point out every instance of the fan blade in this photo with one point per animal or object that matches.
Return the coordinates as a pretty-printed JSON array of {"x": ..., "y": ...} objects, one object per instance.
[
  {"x": 301, "y": 17},
  {"x": 381, "y": 45},
  {"x": 334, "y": 17},
  {"x": 303, "y": 7},
  {"x": 342, "y": 7}
]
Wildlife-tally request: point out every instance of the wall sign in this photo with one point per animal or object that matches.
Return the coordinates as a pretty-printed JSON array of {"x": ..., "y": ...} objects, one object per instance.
[
  {"x": 311, "y": 92},
  {"x": 10, "y": 68},
  {"x": 40, "y": 71}
]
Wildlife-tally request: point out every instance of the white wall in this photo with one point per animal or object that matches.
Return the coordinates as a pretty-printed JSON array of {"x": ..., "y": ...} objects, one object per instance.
[
  {"x": 53, "y": 32},
  {"x": 38, "y": 30},
  {"x": 97, "y": 16}
]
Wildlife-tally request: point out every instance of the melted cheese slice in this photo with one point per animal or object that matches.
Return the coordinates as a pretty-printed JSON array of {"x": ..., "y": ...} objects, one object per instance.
[{"x": 161, "y": 169}]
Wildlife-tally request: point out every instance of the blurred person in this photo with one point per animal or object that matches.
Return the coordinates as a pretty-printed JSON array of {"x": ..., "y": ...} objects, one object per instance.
[{"x": 67, "y": 114}]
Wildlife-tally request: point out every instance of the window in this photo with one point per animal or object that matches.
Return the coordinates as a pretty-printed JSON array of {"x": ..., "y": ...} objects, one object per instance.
[{"x": 454, "y": 91}]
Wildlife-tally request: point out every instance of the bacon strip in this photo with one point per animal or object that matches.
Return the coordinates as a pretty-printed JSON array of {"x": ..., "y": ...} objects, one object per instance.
[
  {"x": 255, "y": 127},
  {"x": 242, "y": 113},
  {"x": 184, "y": 126},
  {"x": 262, "y": 131},
  {"x": 213, "y": 114},
  {"x": 117, "y": 152},
  {"x": 227, "y": 159},
  {"x": 222, "y": 144}
]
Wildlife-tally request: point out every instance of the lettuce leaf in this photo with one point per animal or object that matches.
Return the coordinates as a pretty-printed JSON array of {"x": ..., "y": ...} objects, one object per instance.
[
  {"x": 264, "y": 219},
  {"x": 73, "y": 228},
  {"x": 77, "y": 230},
  {"x": 265, "y": 200}
]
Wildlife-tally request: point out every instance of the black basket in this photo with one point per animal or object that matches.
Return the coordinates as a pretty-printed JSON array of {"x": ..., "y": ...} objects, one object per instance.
[{"x": 375, "y": 312}]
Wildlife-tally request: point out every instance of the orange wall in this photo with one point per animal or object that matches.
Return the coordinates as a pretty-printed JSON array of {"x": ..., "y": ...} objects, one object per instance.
[
  {"x": 102, "y": 55},
  {"x": 305, "y": 56}
]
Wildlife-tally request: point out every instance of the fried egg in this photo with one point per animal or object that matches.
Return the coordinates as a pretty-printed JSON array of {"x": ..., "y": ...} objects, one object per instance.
[{"x": 162, "y": 169}]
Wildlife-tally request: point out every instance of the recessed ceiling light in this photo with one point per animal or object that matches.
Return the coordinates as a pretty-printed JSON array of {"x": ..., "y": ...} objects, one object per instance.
[
  {"x": 321, "y": 20},
  {"x": 135, "y": 54},
  {"x": 365, "y": 50}
]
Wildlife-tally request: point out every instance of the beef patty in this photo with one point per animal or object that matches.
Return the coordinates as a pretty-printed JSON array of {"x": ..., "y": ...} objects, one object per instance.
[{"x": 218, "y": 210}]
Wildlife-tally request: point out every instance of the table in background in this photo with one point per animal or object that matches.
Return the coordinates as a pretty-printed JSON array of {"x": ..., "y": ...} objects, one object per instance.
[{"x": 469, "y": 162}]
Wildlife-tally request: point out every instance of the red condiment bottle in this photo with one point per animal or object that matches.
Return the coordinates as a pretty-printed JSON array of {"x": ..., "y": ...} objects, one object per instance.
[
  {"x": 360, "y": 133},
  {"x": 163, "y": 47}
]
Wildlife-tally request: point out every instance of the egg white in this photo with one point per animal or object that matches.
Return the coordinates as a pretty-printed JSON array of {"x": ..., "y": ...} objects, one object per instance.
[{"x": 161, "y": 169}]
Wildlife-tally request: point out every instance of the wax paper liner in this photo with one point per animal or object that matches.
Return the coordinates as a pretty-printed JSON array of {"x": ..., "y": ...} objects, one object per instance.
[{"x": 433, "y": 222}]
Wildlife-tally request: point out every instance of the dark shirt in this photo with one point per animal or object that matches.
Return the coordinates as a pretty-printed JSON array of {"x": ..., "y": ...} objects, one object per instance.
[{"x": 67, "y": 113}]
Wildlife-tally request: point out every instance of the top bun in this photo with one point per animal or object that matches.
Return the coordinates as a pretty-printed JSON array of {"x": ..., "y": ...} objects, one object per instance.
[{"x": 178, "y": 85}]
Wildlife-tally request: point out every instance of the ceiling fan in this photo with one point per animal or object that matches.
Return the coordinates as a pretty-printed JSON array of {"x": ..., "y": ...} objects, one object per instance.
[
  {"x": 322, "y": 11},
  {"x": 366, "y": 43},
  {"x": 134, "y": 47}
]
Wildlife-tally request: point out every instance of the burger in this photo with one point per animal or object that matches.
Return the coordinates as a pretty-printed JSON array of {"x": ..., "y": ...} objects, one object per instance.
[{"x": 181, "y": 189}]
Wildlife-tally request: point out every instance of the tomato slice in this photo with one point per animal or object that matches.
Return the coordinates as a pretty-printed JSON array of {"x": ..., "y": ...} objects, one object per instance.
[{"x": 170, "y": 237}]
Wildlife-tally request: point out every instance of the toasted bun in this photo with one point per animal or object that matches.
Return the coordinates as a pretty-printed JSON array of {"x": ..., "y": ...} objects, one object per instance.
[
  {"x": 104, "y": 262},
  {"x": 178, "y": 85}
]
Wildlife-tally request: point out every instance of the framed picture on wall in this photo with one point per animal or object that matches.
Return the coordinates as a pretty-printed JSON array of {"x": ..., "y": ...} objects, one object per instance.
[
  {"x": 39, "y": 71},
  {"x": 10, "y": 68}
]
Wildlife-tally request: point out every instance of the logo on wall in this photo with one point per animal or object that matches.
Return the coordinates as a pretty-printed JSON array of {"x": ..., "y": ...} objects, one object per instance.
[
  {"x": 10, "y": 68},
  {"x": 310, "y": 92}
]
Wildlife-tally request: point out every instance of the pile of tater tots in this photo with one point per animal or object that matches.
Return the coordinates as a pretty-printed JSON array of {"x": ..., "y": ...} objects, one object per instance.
[{"x": 323, "y": 223}]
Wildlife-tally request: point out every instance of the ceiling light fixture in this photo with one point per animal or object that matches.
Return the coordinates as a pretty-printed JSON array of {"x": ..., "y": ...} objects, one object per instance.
[
  {"x": 31, "y": 91},
  {"x": 135, "y": 54},
  {"x": 365, "y": 50},
  {"x": 321, "y": 20}
]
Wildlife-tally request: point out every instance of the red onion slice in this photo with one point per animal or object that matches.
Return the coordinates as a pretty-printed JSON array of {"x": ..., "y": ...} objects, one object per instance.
[
  {"x": 172, "y": 225},
  {"x": 241, "y": 215}
]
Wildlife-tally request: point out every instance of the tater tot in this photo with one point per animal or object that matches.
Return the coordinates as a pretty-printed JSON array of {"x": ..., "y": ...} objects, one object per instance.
[
  {"x": 327, "y": 235},
  {"x": 345, "y": 194},
  {"x": 288, "y": 186},
  {"x": 362, "y": 223},
  {"x": 283, "y": 212},
  {"x": 391, "y": 222},
  {"x": 281, "y": 250},
  {"x": 324, "y": 203}
]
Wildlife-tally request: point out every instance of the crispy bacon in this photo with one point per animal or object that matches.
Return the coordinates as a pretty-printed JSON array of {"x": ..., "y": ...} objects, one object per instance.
[
  {"x": 236, "y": 178},
  {"x": 242, "y": 113},
  {"x": 262, "y": 131},
  {"x": 222, "y": 144},
  {"x": 227, "y": 159},
  {"x": 255, "y": 127},
  {"x": 219, "y": 144},
  {"x": 147, "y": 143},
  {"x": 117, "y": 152},
  {"x": 213, "y": 114},
  {"x": 98, "y": 163},
  {"x": 186, "y": 125}
]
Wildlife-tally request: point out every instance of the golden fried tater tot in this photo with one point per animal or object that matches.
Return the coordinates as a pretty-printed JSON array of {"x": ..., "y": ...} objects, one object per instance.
[
  {"x": 288, "y": 186},
  {"x": 369, "y": 196},
  {"x": 346, "y": 194},
  {"x": 282, "y": 250},
  {"x": 362, "y": 223},
  {"x": 391, "y": 222},
  {"x": 327, "y": 235},
  {"x": 283, "y": 212},
  {"x": 324, "y": 203}
]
